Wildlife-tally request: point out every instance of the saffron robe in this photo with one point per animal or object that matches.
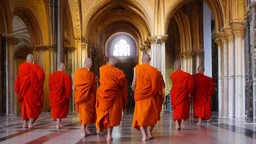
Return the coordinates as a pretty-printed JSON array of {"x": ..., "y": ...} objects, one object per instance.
[
  {"x": 29, "y": 87},
  {"x": 182, "y": 87},
  {"x": 85, "y": 95},
  {"x": 111, "y": 97},
  {"x": 60, "y": 86},
  {"x": 204, "y": 89},
  {"x": 146, "y": 89}
]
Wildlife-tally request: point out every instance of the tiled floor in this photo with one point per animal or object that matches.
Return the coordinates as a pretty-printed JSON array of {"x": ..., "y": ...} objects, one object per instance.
[{"x": 222, "y": 131}]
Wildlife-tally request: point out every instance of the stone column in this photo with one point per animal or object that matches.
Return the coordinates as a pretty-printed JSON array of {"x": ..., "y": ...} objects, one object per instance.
[
  {"x": 10, "y": 42},
  {"x": 231, "y": 68},
  {"x": 153, "y": 50},
  {"x": 162, "y": 55},
  {"x": 70, "y": 71},
  {"x": 225, "y": 98},
  {"x": 239, "y": 32},
  {"x": 220, "y": 74},
  {"x": 53, "y": 59},
  {"x": 60, "y": 48}
]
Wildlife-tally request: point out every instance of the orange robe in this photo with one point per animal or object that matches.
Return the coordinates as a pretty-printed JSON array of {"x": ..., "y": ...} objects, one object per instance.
[
  {"x": 146, "y": 89},
  {"x": 111, "y": 97},
  {"x": 85, "y": 95},
  {"x": 29, "y": 87},
  {"x": 182, "y": 87},
  {"x": 204, "y": 89},
  {"x": 60, "y": 86},
  {"x": 160, "y": 95}
]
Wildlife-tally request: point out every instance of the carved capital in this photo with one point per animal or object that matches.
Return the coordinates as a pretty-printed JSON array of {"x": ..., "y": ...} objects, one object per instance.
[
  {"x": 145, "y": 47},
  {"x": 238, "y": 29},
  {"x": 83, "y": 46},
  {"x": 220, "y": 39},
  {"x": 43, "y": 47},
  {"x": 152, "y": 40},
  {"x": 163, "y": 38},
  {"x": 228, "y": 33},
  {"x": 70, "y": 48},
  {"x": 11, "y": 39}
]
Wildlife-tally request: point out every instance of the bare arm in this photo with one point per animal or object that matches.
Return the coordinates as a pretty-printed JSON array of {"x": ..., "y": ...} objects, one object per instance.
[{"x": 134, "y": 80}]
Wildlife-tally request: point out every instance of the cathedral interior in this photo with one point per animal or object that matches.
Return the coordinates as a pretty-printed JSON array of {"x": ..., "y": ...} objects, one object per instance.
[{"x": 218, "y": 34}]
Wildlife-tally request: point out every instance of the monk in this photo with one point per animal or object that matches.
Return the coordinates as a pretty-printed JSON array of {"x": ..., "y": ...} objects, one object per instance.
[
  {"x": 29, "y": 87},
  {"x": 85, "y": 96},
  {"x": 111, "y": 97},
  {"x": 60, "y": 87},
  {"x": 204, "y": 90},
  {"x": 145, "y": 85},
  {"x": 182, "y": 87}
]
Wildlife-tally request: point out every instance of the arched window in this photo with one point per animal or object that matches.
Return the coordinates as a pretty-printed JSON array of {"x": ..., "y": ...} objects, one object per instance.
[{"x": 121, "y": 48}]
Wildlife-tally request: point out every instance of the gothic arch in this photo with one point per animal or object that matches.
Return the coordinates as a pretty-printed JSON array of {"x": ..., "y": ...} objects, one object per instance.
[
  {"x": 32, "y": 24},
  {"x": 185, "y": 33},
  {"x": 214, "y": 5},
  {"x": 5, "y": 14},
  {"x": 103, "y": 5}
]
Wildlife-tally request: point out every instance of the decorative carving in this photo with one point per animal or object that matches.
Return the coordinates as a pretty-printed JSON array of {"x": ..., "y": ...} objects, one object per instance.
[
  {"x": 71, "y": 48},
  {"x": 219, "y": 39},
  {"x": 83, "y": 46},
  {"x": 238, "y": 29},
  {"x": 229, "y": 33},
  {"x": 152, "y": 40},
  {"x": 43, "y": 48},
  {"x": 163, "y": 38},
  {"x": 11, "y": 39}
]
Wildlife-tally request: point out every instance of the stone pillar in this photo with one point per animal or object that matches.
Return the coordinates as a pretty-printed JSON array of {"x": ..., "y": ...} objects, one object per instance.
[
  {"x": 225, "y": 98},
  {"x": 220, "y": 74},
  {"x": 231, "y": 68},
  {"x": 162, "y": 55},
  {"x": 153, "y": 50},
  {"x": 10, "y": 42},
  {"x": 70, "y": 71},
  {"x": 60, "y": 48},
  {"x": 53, "y": 59},
  {"x": 84, "y": 54},
  {"x": 239, "y": 32}
]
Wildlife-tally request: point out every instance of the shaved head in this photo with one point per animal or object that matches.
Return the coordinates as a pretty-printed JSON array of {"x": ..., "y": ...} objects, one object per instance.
[
  {"x": 146, "y": 58},
  {"x": 88, "y": 63},
  {"x": 62, "y": 67},
  {"x": 112, "y": 61},
  {"x": 30, "y": 58},
  {"x": 200, "y": 69},
  {"x": 177, "y": 65}
]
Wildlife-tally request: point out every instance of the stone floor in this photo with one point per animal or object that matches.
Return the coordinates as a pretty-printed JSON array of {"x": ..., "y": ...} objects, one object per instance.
[{"x": 222, "y": 131}]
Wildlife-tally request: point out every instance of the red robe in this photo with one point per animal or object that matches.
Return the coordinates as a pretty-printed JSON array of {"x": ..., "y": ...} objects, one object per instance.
[
  {"x": 204, "y": 89},
  {"x": 146, "y": 90},
  {"x": 111, "y": 97},
  {"x": 182, "y": 87},
  {"x": 60, "y": 86},
  {"x": 29, "y": 87}
]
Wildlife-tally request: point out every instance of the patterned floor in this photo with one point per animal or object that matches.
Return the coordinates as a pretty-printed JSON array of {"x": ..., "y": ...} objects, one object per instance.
[{"x": 222, "y": 131}]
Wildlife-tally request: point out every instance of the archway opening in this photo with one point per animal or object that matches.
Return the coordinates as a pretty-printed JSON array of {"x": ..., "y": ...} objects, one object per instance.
[
  {"x": 22, "y": 49},
  {"x": 191, "y": 40},
  {"x": 124, "y": 47}
]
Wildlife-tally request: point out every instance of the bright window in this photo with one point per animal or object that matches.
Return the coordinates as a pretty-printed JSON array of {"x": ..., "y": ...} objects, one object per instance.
[{"x": 121, "y": 48}]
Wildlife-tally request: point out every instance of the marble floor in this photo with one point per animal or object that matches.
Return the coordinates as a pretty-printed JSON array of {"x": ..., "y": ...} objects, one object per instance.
[{"x": 217, "y": 131}]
